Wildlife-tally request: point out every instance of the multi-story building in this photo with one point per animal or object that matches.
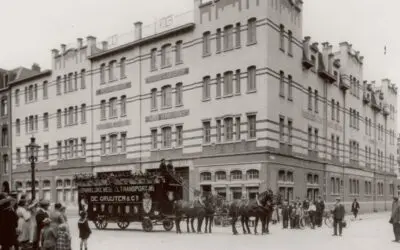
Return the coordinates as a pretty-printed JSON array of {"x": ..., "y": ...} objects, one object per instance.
[{"x": 235, "y": 97}]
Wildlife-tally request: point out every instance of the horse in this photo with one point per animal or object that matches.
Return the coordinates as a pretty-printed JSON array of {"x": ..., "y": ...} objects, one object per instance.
[
  {"x": 191, "y": 210},
  {"x": 212, "y": 203},
  {"x": 249, "y": 208}
]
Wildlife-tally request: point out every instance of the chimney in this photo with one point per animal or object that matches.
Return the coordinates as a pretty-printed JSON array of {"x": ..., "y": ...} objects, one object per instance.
[
  {"x": 80, "y": 42},
  {"x": 91, "y": 44},
  {"x": 105, "y": 45},
  {"x": 138, "y": 30},
  {"x": 63, "y": 48},
  {"x": 54, "y": 52},
  {"x": 36, "y": 67}
]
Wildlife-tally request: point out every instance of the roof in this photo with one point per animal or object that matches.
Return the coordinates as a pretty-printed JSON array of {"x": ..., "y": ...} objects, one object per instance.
[{"x": 24, "y": 75}]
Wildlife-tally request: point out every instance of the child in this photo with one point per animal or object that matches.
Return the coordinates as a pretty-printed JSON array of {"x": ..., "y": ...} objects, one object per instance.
[
  {"x": 48, "y": 236},
  {"x": 63, "y": 238},
  {"x": 84, "y": 229}
]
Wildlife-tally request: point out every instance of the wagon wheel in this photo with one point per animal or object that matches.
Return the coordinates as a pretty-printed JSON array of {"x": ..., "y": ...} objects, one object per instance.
[
  {"x": 100, "y": 223},
  {"x": 123, "y": 224},
  {"x": 147, "y": 225},
  {"x": 168, "y": 224}
]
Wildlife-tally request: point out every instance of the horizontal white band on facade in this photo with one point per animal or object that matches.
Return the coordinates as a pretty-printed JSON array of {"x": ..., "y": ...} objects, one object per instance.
[
  {"x": 227, "y": 167},
  {"x": 348, "y": 171},
  {"x": 233, "y": 185},
  {"x": 178, "y": 163},
  {"x": 103, "y": 169}
]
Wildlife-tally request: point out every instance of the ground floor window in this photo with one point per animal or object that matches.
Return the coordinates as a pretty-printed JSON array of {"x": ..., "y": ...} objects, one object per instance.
[
  {"x": 286, "y": 193},
  {"x": 236, "y": 193},
  {"x": 312, "y": 194},
  {"x": 252, "y": 191},
  {"x": 221, "y": 192}
]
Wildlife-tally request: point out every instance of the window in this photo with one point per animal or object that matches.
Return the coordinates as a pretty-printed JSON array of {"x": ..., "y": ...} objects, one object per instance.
[
  {"x": 218, "y": 86},
  {"x": 290, "y": 131},
  {"x": 102, "y": 73},
  {"x": 251, "y": 78},
  {"x": 178, "y": 52},
  {"x": 218, "y": 38},
  {"x": 206, "y": 88},
  {"x": 122, "y": 66},
  {"x": 70, "y": 116},
  {"x": 179, "y": 136},
  {"x": 282, "y": 37},
  {"x": 46, "y": 121},
  {"x": 281, "y": 129},
  {"x": 59, "y": 150},
  {"x": 83, "y": 146},
  {"x": 113, "y": 108},
  {"x": 154, "y": 138},
  {"x": 17, "y": 97},
  {"x": 309, "y": 98},
  {"x": 46, "y": 152},
  {"x": 251, "y": 123},
  {"x": 228, "y": 83},
  {"x": 26, "y": 94},
  {"x": 58, "y": 85},
  {"x": 153, "y": 99},
  {"x": 316, "y": 139},
  {"x": 103, "y": 110},
  {"x": 309, "y": 137},
  {"x": 36, "y": 92},
  {"x": 18, "y": 127},
  {"x": 103, "y": 145},
  {"x": 228, "y": 37},
  {"x": 114, "y": 143},
  {"x": 123, "y": 105},
  {"x": 205, "y": 176},
  {"x": 220, "y": 176},
  {"x": 282, "y": 84},
  {"x": 4, "y": 107},
  {"x": 83, "y": 113},
  {"x": 218, "y": 130},
  {"x": 59, "y": 118},
  {"x": 206, "y": 132},
  {"x": 290, "y": 42},
  {"x": 316, "y": 101},
  {"x": 45, "y": 90},
  {"x": 206, "y": 43},
  {"x": 228, "y": 125},
  {"x": 76, "y": 81},
  {"x": 290, "y": 88},
  {"x": 237, "y": 129},
  {"x": 237, "y": 78},
  {"x": 252, "y": 31},
  {"x": 83, "y": 79},
  {"x": 236, "y": 175},
  {"x": 333, "y": 109},
  {"x": 153, "y": 59},
  {"x": 238, "y": 35},
  {"x": 166, "y": 55},
  {"x": 178, "y": 94},
  {"x": 166, "y": 96},
  {"x": 252, "y": 174},
  {"x": 5, "y": 163},
  {"x": 111, "y": 71},
  {"x": 65, "y": 84},
  {"x": 166, "y": 137},
  {"x": 70, "y": 88}
]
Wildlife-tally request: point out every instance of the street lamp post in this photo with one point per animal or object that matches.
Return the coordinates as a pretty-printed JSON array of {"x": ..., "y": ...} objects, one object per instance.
[{"x": 33, "y": 150}]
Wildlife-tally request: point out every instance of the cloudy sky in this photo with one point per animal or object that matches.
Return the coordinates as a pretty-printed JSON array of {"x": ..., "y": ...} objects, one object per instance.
[{"x": 30, "y": 29}]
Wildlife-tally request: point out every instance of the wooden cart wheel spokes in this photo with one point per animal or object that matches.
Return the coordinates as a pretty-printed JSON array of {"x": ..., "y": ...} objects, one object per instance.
[
  {"x": 147, "y": 225},
  {"x": 123, "y": 224},
  {"x": 168, "y": 224},
  {"x": 102, "y": 224}
]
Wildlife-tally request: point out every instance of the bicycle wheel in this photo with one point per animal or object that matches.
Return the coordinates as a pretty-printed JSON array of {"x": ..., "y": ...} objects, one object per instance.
[{"x": 328, "y": 222}]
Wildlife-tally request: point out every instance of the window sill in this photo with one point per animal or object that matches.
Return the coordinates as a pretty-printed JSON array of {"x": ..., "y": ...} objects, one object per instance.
[
  {"x": 206, "y": 55},
  {"x": 165, "y": 108},
  {"x": 228, "y": 49},
  {"x": 237, "y": 94},
  {"x": 290, "y": 99},
  {"x": 46, "y": 130},
  {"x": 111, "y": 81},
  {"x": 290, "y": 54},
  {"x": 228, "y": 96},
  {"x": 153, "y": 69},
  {"x": 218, "y": 52},
  {"x": 251, "y": 139},
  {"x": 103, "y": 119},
  {"x": 251, "y": 43},
  {"x": 123, "y": 77},
  {"x": 166, "y": 66},
  {"x": 238, "y": 47},
  {"x": 123, "y": 116},
  {"x": 218, "y": 97},
  {"x": 206, "y": 100},
  {"x": 283, "y": 50},
  {"x": 153, "y": 110},
  {"x": 178, "y": 105},
  {"x": 282, "y": 95},
  {"x": 206, "y": 144},
  {"x": 179, "y": 63},
  {"x": 83, "y": 122},
  {"x": 251, "y": 91}
]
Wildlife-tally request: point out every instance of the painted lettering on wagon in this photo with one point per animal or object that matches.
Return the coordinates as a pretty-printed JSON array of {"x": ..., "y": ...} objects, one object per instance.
[
  {"x": 166, "y": 116},
  {"x": 167, "y": 75},
  {"x": 132, "y": 188},
  {"x": 115, "y": 198}
]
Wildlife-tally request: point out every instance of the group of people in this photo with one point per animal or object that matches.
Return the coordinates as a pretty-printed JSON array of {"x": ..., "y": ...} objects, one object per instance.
[{"x": 31, "y": 225}]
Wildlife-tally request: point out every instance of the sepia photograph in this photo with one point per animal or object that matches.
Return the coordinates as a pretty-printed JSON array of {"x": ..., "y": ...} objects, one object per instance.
[{"x": 199, "y": 125}]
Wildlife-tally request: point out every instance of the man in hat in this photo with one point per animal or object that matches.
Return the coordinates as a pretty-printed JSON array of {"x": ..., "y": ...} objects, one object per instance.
[
  {"x": 320, "y": 206},
  {"x": 163, "y": 167},
  {"x": 338, "y": 217},
  {"x": 56, "y": 216},
  {"x": 8, "y": 222},
  {"x": 41, "y": 214},
  {"x": 395, "y": 219}
]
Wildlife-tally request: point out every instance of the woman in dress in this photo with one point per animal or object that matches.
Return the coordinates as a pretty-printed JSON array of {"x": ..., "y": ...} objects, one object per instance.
[
  {"x": 33, "y": 227},
  {"x": 24, "y": 217}
]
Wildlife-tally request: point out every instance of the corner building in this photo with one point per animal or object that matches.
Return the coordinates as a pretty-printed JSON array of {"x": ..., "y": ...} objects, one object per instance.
[{"x": 235, "y": 97}]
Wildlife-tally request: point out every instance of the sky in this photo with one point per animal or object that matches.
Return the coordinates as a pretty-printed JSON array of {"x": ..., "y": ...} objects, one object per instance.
[{"x": 30, "y": 29}]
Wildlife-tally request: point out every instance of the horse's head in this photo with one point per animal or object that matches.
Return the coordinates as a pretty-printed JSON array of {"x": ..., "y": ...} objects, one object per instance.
[{"x": 266, "y": 198}]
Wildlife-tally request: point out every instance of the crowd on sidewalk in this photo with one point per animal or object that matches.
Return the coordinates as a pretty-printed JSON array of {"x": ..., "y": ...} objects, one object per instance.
[{"x": 31, "y": 224}]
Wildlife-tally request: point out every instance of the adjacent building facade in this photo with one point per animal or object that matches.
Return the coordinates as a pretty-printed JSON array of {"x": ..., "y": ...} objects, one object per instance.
[{"x": 235, "y": 97}]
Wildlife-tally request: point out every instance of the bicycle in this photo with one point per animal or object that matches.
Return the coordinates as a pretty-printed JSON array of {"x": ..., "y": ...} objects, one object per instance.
[{"x": 328, "y": 220}]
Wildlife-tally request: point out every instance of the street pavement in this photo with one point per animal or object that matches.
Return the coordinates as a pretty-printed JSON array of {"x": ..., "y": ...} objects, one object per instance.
[{"x": 371, "y": 232}]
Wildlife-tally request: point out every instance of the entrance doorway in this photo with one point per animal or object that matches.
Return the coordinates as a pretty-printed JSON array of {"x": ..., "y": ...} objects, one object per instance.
[{"x": 5, "y": 187}]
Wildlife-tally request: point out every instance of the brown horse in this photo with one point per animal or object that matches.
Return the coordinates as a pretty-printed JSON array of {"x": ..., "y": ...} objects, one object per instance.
[
  {"x": 250, "y": 208},
  {"x": 191, "y": 211},
  {"x": 212, "y": 203}
]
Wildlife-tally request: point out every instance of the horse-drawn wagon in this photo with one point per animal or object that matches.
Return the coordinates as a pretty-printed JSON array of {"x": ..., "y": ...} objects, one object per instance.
[{"x": 143, "y": 198}]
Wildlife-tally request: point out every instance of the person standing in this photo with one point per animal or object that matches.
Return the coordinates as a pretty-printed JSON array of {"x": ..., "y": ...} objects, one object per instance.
[
  {"x": 84, "y": 230},
  {"x": 41, "y": 215},
  {"x": 320, "y": 208},
  {"x": 63, "y": 241},
  {"x": 48, "y": 236},
  {"x": 24, "y": 223},
  {"x": 395, "y": 219},
  {"x": 8, "y": 222},
  {"x": 338, "y": 217},
  {"x": 32, "y": 208},
  {"x": 355, "y": 207},
  {"x": 285, "y": 214},
  {"x": 311, "y": 212}
]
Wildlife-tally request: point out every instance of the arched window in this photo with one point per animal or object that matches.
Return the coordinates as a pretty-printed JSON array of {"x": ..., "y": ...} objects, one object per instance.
[
  {"x": 220, "y": 175},
  {"x": 316, "y": 179},
  {"x": 252, "y": 174},
  {"x": 166, "y": 55},
  {"x": 102, "y": 73},
  {"x": 59, "y": 183},
  {"x": 46, "y": 184},
  {"x": 205, "y": 176},
  {"x": 67, "y": 183},
  {"x": 236, "y": 175},
  {"x": 309, "y": 178},
  {"x": 281, "y": 175},
  {"x": 289, "y": 177},
  {"x": 122, "y": 67}
]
